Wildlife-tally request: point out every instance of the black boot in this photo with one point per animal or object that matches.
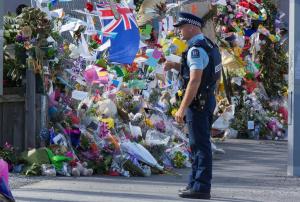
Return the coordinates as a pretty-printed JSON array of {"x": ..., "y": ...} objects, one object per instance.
[{"x": 195, "y": 195}]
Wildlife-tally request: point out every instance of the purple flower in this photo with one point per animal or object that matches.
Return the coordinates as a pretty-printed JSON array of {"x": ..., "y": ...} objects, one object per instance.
[
  {"x": 20, "y": 38},
  {"x": 160, "y": 126},
  {"x": 8, "y": 146}
]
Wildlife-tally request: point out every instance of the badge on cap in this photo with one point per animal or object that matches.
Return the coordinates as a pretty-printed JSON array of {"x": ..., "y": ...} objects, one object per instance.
[{"x": 195, "y": 53}]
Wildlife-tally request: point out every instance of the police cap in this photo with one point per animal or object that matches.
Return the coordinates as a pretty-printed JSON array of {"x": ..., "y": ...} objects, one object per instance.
[{"x": 188, "y": 18}]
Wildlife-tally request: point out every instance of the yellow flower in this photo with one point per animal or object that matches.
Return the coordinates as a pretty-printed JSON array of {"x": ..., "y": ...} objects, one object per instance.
[
  {"x": 77, "y": 86},
  {"x": 221, "y": 87},
  {"x": 180, "y": 93},
  {"x": 149, "y": 123},
  {"x": 66, "y": 47},
  {"x": 173, "y": 112},
  {"x": 285, "y": 91},
  {"x": 237, "y": 51},
  {"x": 110, "y": 122}
]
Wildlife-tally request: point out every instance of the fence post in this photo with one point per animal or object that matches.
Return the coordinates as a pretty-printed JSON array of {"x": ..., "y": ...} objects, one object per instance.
[
  {"x": 30, "y": 112},
  {"x": 294, "y": 90}
]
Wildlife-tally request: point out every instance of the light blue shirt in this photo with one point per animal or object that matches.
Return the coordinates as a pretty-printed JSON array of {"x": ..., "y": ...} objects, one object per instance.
[{"x": 197, "y": 58}]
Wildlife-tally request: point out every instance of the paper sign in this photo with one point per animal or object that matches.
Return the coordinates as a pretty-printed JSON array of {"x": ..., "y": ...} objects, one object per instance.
[
  {"x": 79, "y": 95},
  {"x": 102, "y": 73},
  {"x": 156, "y": 54},
  {"x": 237, "y": 80},
  {"x": 170, "y": 23},
  {"x": 90, "y": 29},
  {"x": 137, "y": 84},
  {"x": 80, "y": 81},
  {"x": 165, "y": 24},
  {"x": 136, "y": 131},
  {"x": 104, "y": 46},
  {"x": 119, "y": 71},
  {"x": 116, "y": 83},
  {"x": 160, "y": 26},
  {"x": 67, "y": 27},
  {"x": 142, "y": 44},
  {"x": 147, "y": 31},
  {"x": 84, "y": 46},
  {"x": 220, "y": 2},
  {"x": 146, "y": 94},
  {"x": 159, "y": 69},
  {"x": 103, "y": 80},
  {"x": 152, "y": 62},
  {"x": 250, "y": 125},
  {"x": 72, "y": 26},
  {"x": 58, "y": 13},
  {"x": 173, "y": 58}
]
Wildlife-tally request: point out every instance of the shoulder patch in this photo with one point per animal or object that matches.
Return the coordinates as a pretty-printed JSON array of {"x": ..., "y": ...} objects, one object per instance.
[{"x": 195, "y": 53}]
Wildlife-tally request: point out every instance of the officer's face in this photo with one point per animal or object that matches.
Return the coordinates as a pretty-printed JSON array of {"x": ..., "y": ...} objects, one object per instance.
[{"x": 186, "y": 31}]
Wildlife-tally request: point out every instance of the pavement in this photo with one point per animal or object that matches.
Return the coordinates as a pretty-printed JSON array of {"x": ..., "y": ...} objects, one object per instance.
[{"x": 249, "y": 171}]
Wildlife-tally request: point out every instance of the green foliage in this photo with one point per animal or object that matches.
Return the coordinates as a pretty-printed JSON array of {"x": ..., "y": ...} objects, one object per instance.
[
  {"x": 10, "y": 29},
  {"x": 179, "y": 160},
  {"x": 128, "y": 103},
  {"x": 8, "y": 153},
  {"x": 102, "y": 167},
  {"x": 157, "y": 152},
  {"x": 138, "y": 4},
  {"x": 273, "y": 57},
  {"x": 37, "y": 20}
]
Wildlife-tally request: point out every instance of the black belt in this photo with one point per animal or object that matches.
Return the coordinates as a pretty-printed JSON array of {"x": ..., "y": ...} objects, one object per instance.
[{"x": 201, "y": 99}]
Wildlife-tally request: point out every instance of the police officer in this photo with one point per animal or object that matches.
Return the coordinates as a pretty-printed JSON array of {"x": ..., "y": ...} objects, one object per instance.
[{"x": 199, "y": 71}]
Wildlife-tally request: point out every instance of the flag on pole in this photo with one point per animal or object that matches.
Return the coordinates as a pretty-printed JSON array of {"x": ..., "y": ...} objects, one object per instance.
[{"x": 125, "y": 45}]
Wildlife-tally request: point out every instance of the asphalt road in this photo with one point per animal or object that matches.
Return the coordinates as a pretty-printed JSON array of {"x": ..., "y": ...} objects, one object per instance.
[{"x": 250, "y": 171}]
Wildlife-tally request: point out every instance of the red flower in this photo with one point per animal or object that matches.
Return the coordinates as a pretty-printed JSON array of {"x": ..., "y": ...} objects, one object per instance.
[
  {"x": 73, "y": 163},
  {"x": 284, "y": 112},
  {"x": 89, "y": 6},
  {"x": 96, "y": 39},
  {"x": 250, "y": 85},
  {"x": 249, "y": 6},
  {"x": 132, "y": 68}
]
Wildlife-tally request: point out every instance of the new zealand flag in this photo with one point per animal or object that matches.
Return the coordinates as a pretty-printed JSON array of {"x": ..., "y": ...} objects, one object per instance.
[{"x": 125, "y": 45}]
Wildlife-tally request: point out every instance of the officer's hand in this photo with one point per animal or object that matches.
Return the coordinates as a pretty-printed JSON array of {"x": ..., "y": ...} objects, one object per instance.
[
  {"x": 179, "y": 116},
  {"x": 168, "y": 65}
]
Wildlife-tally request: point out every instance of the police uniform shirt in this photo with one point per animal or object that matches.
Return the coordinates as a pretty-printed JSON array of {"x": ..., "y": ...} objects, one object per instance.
[{"x": 197, "y": 58}]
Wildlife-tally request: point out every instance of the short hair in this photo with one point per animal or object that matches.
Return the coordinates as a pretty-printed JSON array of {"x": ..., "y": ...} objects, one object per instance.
[{"x": 20, "y": 8}]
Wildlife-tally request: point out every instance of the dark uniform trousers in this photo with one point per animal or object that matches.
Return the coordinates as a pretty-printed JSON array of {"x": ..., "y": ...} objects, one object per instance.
[
  {"x": 199, "y": 117},
  {"x": 199, "y": 125}
]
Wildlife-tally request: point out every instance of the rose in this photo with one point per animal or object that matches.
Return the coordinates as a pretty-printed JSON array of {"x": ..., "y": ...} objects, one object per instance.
[{"x": 89, "y": 6}]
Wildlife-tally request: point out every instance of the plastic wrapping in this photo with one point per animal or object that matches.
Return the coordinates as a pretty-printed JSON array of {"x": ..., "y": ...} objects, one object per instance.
[
  {"x": 141, "y": 153},
  {"x": 154, "y": 137},
  {"x": 223, "y": 122}
]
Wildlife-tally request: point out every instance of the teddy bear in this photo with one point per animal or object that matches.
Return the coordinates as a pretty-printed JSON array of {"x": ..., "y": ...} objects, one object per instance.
[
  {"x": 107, "y": 108},
  {"x": 81, "y": 170},
  {"x": 165, "y": 98}
]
